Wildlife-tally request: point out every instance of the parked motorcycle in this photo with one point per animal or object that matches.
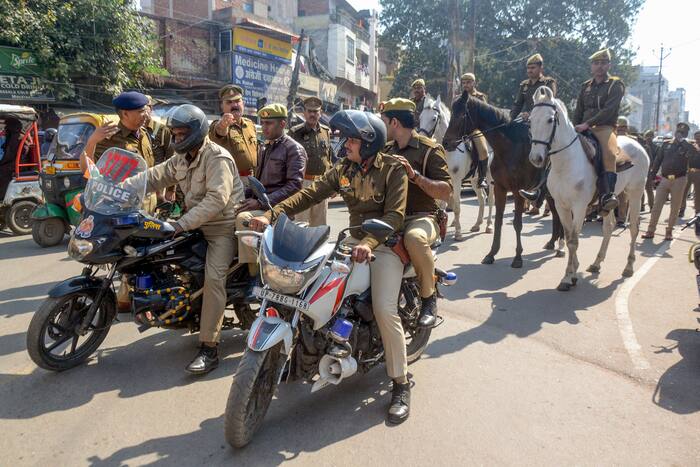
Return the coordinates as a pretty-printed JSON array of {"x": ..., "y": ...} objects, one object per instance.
[
  {"x": 315, "y": 318},
  {"x": 694, "y": 250},
  {"x": 166, "y": 273}
]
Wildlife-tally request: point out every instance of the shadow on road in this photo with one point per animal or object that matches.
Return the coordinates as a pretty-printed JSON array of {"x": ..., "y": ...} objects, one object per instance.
[
  {"x": 12, "y": 343},
  {"x": 524, "y": 315},
  {"x": 677, "y": 387},
  {"x": 297, "y": 422},
  {"x": 19, "y": 300},
  {"x": 24, "y": 247},
  {"x": 154, "y": 363}
]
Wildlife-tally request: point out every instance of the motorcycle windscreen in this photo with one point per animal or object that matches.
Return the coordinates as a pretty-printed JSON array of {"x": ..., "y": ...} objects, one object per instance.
[
  {"x": 116, "y": 184},
  {"x": 70, "y": 141}
]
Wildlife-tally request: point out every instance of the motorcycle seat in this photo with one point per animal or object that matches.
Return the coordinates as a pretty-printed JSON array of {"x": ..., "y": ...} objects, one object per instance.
[{"x": 295, "y": 243}]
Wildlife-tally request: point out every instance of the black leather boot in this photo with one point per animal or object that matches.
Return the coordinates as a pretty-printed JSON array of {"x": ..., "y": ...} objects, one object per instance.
[
  {"x": 606, "y": 189},
  {"x": 400, "y": 403},
  {"x": 206, "y": 360},
  {"x": 428, "y": 309},
  {"x": 535, "y": 194},
  {"x": 482, "y": 168}
]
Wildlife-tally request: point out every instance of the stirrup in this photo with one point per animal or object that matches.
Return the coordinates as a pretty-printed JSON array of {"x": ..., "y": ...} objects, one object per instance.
[{"x": 530, "y": 195}]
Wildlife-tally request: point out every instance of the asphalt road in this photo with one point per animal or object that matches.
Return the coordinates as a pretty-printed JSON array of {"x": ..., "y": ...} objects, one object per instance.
[{"x": 608, "y": 373}]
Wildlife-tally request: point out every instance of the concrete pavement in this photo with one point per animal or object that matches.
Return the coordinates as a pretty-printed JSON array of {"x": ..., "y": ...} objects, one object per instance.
[{"x": 518, "y": 374}]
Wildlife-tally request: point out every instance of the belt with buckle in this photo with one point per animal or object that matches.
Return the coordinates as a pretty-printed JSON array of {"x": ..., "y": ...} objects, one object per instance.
[
  {"x": 311, "y": 177},
  {"x": 693, "y": 169}
]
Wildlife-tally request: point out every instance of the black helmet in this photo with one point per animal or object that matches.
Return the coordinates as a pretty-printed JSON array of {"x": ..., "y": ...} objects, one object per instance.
[
  {"x": 361, "y": 125},
  {"x": 192, "y": 117}
]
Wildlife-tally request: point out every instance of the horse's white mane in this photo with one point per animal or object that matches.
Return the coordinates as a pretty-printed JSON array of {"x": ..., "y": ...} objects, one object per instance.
[{"x": 544, "y": 94}]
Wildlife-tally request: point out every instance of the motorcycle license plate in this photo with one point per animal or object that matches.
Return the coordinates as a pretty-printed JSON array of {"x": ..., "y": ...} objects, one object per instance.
[{"x": 285, "y": 300}]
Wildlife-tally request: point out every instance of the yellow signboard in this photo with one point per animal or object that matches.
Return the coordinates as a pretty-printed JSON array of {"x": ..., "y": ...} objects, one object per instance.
[{"x": 262, "y": 46}]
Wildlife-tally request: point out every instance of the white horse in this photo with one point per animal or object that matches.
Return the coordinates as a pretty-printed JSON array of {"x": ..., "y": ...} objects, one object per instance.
[
  {"x": 572, "y": 180},
  {"x": 459, "y": 162},
  {"x": 433, "y": 123}
]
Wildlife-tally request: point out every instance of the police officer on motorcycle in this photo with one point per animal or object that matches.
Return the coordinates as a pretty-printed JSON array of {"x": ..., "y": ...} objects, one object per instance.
[{"x": 374, "y": 186}]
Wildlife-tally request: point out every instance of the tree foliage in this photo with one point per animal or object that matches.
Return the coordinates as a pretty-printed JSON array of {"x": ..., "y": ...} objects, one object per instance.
[
  {"x": 507, "y": 32},
  {"x": 104, "y": 42}
]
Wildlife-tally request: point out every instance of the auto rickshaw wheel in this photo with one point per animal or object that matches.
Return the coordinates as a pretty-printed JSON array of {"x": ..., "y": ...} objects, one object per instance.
[
  {"x": 18, "y": 217},
  {"x": 48, "y": 232}
]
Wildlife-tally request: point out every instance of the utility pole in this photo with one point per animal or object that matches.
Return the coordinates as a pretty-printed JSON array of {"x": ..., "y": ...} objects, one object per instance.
[
  {"x": 658, "y": 86},
  {"x": 453, "y": 53},
  {"x": 471, "y": 38},
  {"x": 294, "y": 84}
]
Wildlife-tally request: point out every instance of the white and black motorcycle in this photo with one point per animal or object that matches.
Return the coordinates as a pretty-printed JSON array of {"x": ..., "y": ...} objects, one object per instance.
[{"x": 315, "y": 321}]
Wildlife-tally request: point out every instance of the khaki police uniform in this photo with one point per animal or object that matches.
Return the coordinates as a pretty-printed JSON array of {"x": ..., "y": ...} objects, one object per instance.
[
  {"x": 241, "y": 141},
  {"x": 693, "y": 177},
  {"x": 672, "y": 159},
  {"x": 377, "y": 192},
  {"x": 420, "y": 103},
  {"x": 160, "y": 140},
  {"x": 421, "y": 229},
  {"x": 598, "y": 104},
  {"x": 317, "y": 143},
  {"x": 212, "y": 188},
  {"x": 478, "y": 138},
  {"x": 526, "y": 92}
]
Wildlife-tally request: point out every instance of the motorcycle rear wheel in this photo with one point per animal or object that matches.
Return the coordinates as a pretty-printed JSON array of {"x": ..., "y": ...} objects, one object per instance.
[
  {"x": 54, "y": 327},
  {"x": 251, "y": 392}
]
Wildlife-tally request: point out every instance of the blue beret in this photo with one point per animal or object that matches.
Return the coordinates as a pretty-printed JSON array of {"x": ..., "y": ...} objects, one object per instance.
[{"x": 130, "y": 100}]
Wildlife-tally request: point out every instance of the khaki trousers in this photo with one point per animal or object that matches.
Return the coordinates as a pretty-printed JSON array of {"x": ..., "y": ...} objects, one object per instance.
[
  {"x": 246, "y": 254},
  {"x": 386, "y": 272},
  {"x": 221, "y": 250},
  {"x": 419, "y": 234},
  {"x": 315, "y": 215},
  {"x": 675, "y": 188},
  {"x": 694, "y": 180},
  {"x": 608, "y": 141},
  {"x": 479, "y": 142}
]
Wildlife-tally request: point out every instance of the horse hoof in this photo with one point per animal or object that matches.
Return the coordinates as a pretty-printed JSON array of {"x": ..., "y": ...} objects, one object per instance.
[
  {"x": 517, "y": 263},
  {"x": 548, "y": 246},
  {"x": 488, "y": 230},
  {"x": 593, "y": 268},
  {"x": 487, "y": 260},
  {"x": 564, "y": 287},
  {"x": 560, "y": 254},
  {"x": 474, "y": 228},
  {"x": 628, "y": 272}
]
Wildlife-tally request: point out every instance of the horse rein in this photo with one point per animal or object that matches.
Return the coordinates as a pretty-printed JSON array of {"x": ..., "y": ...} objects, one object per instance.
[
  {"x": 555, "y": 123},
  {"x": 430, "y": 134}
]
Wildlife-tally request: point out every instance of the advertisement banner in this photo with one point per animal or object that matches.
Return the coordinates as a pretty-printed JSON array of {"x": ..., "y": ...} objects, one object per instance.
[
  {"x": 22, "y": 88},
  {"x": 261, "y": 78},
  {"x": 252, "y": 43},
  {"x": 18, "y": 62}
]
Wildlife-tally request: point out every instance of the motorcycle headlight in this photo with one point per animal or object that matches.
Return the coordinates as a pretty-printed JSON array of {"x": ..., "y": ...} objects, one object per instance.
[
  {"x": 284, "y": 279},
  {"x": 78, "y": 249}
]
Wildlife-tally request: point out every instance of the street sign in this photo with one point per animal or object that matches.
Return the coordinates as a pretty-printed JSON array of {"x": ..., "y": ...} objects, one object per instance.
[{"x": 23, "y": 88}]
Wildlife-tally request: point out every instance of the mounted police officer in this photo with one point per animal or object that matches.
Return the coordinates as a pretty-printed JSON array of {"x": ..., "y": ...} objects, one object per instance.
[
  {"x": 429, "y": 177},
  {"x": 418, "y": 98},
  {"x": 468, "y": 81},
  {"x": 522, "y": 108},
  {"x": 374, "y": 186},
  {"x": 316, "y": 139},
  {"x": 597, "y": 109}
]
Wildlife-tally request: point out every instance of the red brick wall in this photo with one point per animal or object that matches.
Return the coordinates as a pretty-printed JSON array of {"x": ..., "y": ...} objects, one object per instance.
[
  {"x": 192, "y": 10},
  {"x": 314, "y": 7}
]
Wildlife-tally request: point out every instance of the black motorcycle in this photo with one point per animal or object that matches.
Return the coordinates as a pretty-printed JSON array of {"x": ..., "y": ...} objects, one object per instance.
[{"x": 166, "y": 274}]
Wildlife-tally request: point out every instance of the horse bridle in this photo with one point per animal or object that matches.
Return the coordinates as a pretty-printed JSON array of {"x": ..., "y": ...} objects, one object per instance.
[
  {"x": 555, "y": 124},
  {"x": 430, "y": 134}
]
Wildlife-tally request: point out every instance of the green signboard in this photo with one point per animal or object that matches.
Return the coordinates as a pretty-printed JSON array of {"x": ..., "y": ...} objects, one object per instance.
[
  {"x": 19, "y": 88},
  {"x": 18, "y": 62}
]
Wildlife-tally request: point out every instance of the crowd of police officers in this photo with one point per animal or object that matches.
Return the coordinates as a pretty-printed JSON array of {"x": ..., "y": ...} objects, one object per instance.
[{"x": 388, "y": 172}]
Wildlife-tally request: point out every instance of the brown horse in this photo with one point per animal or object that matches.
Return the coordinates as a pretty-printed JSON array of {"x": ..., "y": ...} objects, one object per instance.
[{"x": 511, "y": 168}]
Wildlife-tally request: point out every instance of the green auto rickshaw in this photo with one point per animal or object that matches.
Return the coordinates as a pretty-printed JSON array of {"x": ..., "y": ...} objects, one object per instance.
[{"x": 62, "y": 180}]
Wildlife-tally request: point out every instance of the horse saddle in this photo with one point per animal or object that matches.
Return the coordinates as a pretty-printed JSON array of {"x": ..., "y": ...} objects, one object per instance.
[{"x": 594, "y": 153}]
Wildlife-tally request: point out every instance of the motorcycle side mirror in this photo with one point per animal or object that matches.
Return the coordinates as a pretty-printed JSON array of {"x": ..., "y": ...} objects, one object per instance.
[
  {"x": 378, "y": 229},
  {"x": 259, "y": 192}
]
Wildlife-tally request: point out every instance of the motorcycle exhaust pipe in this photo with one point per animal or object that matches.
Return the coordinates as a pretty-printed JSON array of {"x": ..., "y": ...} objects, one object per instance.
[{"x": 333, "y": 370}]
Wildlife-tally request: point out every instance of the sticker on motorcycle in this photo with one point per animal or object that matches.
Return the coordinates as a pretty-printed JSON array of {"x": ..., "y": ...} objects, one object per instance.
[
  {"x": 150, "y": 225},
  {"x": 85, "y": 228}
]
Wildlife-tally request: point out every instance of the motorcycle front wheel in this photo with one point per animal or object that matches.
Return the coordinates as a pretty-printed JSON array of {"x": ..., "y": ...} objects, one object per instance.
[
  {"x": 251, "y": 392},
  {"x": 53, "y": 342}
]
